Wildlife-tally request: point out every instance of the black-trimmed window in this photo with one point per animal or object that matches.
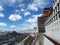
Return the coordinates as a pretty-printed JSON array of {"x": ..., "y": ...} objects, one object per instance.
[
  {"x": 56, "y": 9},
  {"x": 56, "y": 17},
  {"x": 59, "y": 14},
  {"x": 58, "y": 6}
]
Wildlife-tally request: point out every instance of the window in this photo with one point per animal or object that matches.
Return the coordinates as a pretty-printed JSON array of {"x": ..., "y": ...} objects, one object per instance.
[
  {"x": 59, "y": 14},
  {"x": 56, "y": 17},
  {"x": 59, "y": 0},
  {"x": 58, "y": 6},
  {"x": 56, "y": 9}
]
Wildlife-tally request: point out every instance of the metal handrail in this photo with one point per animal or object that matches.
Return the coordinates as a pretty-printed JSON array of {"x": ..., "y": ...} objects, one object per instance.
[{"x": 53, "y": 41}]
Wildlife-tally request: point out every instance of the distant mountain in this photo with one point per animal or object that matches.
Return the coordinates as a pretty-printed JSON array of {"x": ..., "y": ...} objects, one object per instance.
[
  {"x": 13, "y": 34},
  {"x": 10, "y": 35}
]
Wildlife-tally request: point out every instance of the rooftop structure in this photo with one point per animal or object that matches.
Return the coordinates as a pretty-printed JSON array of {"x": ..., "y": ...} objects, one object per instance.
[{"x": 42, "y": 19}]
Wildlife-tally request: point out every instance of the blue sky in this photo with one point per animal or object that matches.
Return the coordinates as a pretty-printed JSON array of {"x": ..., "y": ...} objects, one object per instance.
[{"x": 21, "y": 14}]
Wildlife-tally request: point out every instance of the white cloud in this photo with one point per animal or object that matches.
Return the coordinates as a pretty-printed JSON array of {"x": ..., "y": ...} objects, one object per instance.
[
  {"x": 3, "y": 24},
  {"x": 41, "y": 3},
  {"x": 12, "y": 26},
  {"x": 24, "y": 24},
  {"x": 36, "y": 16},
  {"x": 22, "y": 10},
  {"x": 17, "y": 10},
  {"x": 33, "y": 7},
  {"x": 22, "y": 5},
  {"x": 15, "y": 17},
  {"x": 20, "y": 0},
  {"x": 37, "y": 4},
  {"x": 33, "y": 25},
  {"x": 11, "y": 2},
  {"x": 1, "y": 8},
  {"x": 27, "y": 13},
  {"x": 32, "y": 22},
  {"x": 1, "y": 15},
  {"x": 29, "y": 26},
  {"x": 34, "y": 19}
]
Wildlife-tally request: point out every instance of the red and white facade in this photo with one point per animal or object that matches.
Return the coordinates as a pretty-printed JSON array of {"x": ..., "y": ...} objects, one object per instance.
[{"x": 52, "y": 24}]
